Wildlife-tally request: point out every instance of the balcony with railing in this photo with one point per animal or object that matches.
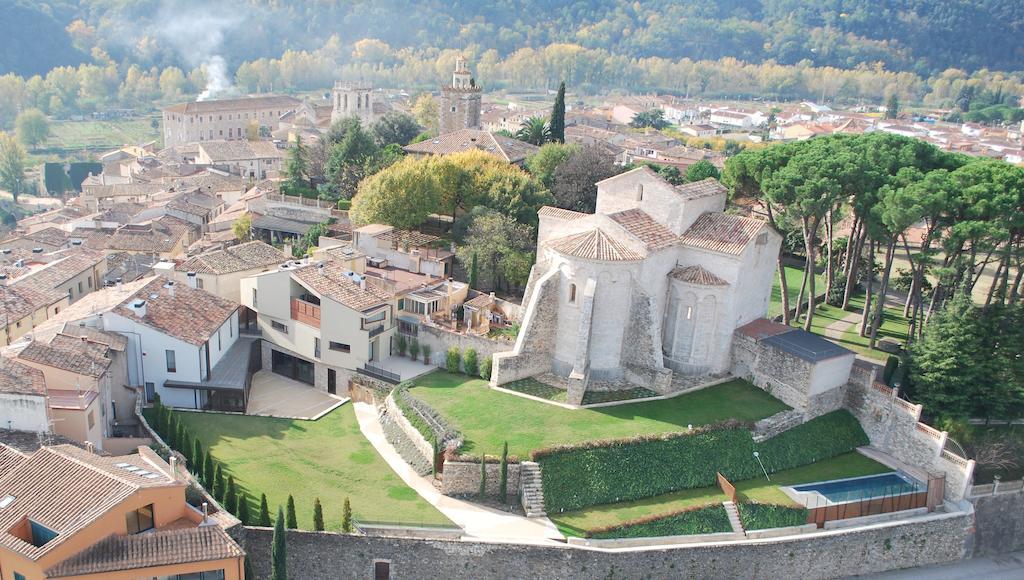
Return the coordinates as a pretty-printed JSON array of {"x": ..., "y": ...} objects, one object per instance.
[{"x": 306, "y": 312}]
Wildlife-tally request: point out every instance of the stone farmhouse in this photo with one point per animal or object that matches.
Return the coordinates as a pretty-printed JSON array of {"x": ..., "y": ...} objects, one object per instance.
[
  {"x": 221, "y": 120},
  {"x": 646, "y": 291}
]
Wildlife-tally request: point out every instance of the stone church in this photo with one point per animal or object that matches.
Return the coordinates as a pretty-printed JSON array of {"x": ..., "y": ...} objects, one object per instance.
[
  {"x": 460, "y": 102},
  {"x": 647, "y": 291}
]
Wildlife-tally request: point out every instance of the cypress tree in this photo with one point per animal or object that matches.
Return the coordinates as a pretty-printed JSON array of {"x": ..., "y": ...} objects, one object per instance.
[
  {"x": 197, "y": 454},
  {"x": 293, "y": 523},
  {"x": 249, "y": 573},
  {"x": 483, "y": 475},
  {"x": 158, "y": 417},
  {"x": 198, "y": 463},
  {"x": 474, "y": 271},
  {"x": 208, "y": 480},
  {"x": 186, "y": 446},
  {"x": 278, "y": 557},
  {"x": 557, "y": 124},
  {"x": 231, "y": 496},
  {"x": 264, "y": 512},
  {"x": 171, "y": 430},
  {"x": 218, "y": 484},
  {"x": 318, "y": 516},
  {"x": 503, "y": 481},
  {"x": 243, "y": 509},
  {"x": 346, "y": 517}
]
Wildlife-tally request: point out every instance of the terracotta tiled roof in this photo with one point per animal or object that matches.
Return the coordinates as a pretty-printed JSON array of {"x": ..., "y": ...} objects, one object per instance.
[
  {"x": 190, "y": 314},
  {"x": 509, "y": 149},
  {"x": 721, "y": 232},
  {"x": 71, "y": 354},
  {"x": 234, "y": 259},
  {"x": 112, "y": 340},
  {"x": 699, "y": 189},
  {"x": 240, "y": 150},
  {"x": 480, "y": 301},
  {"x": 594, "y": 244},
  {"x": 18, "y": 301},
  {"x": 65, "y": 489},
  {"x": 158, "y": 548},
  {"x": 562, "y": 214},
  {"x": 643, "y": 227},
  {"x": 242, "y": 104},
  {"x": 55, "y": 274},
  {"x": 51, "y": 236},
  {"x": 157, "y": 236},
  {"x": 16, "y": 377},
  {"x": 10, "y": 458},
  {"x": 696, "y": 275},
  {"x": 763, "y": 328},
  {"x": 332, "y": 282}
]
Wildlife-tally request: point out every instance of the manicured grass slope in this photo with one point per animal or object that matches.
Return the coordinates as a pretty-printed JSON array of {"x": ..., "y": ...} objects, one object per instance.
[
  {"x": 487, "y": 417},
  {"x": 853, "y": 464},
  {"x": 328, "y": 458},
  {"x": 794, "y": 276}
]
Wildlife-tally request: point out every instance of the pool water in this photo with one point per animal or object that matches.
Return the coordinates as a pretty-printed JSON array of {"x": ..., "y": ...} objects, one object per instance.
[{"x": 858, "y": 488}]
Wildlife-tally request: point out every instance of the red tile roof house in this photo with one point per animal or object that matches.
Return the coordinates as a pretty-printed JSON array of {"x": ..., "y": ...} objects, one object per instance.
[
  {"x": 183, "y": 343},
  {"x": 69, "y": 513}
]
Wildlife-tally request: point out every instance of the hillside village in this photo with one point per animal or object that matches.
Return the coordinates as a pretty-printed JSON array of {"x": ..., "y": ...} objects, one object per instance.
[{"x": 445, "y": 346}]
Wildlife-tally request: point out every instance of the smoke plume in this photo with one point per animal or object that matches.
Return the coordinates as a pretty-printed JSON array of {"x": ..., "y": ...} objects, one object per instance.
[{"x": 197, "y": 32}]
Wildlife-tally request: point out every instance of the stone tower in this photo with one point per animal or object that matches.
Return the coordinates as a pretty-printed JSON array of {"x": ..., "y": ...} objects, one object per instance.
[
  {"x": 460, "y": 102},
  {"x": 353, "y": 99}
]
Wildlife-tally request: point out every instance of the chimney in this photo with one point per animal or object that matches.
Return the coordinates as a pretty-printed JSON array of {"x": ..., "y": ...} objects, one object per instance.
[
  {"x": 192, "y": 280},
  {"x": 288, "y": 249},
  {"x": 639, "y": 192},
  {"x": 170, "y": 288},
  {"x": 174, "y": 467},
  {"x": 37, "y": 250},
  {"x": 118, "y": 282},
  {"x": 139, "y": 308},
  {"x": 320, "y": 268},
  {"x": 89, "y": 447},
  {"x": 362, "y": 283}
]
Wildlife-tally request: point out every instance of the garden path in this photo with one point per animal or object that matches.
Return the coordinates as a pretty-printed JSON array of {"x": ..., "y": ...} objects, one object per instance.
[{"x": 478, "y": 521}]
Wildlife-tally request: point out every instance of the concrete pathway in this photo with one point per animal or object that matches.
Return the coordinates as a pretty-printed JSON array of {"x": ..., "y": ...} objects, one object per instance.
[
  {"x": 836, "y": 330},
  {"x": 479, "y": 522}
]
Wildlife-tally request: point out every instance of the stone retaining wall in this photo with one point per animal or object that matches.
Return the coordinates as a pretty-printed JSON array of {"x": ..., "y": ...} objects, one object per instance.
[
  {"x": 462, "y": 478},
  {"x": 999, "y": 523},
  {"x": 440, "y": 340},
  {"x": 935, "y": 539},
  {"x": 419, "y": 442}
]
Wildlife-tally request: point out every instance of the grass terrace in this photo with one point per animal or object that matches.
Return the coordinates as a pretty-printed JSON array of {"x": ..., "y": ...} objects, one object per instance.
[
  {"x": 585, "y": 521},
  {"x": 487, "y": 417},
  {"x": 794, "y": 276},
  {"x": 328, "y": 458},
  {"x": 894, "y": 326}
]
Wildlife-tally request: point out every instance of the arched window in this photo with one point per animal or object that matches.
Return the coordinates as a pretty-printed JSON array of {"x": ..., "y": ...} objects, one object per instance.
[{"x": 572, "y": 294}]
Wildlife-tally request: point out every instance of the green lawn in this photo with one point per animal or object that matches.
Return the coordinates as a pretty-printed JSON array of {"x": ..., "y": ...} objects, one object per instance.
[
  {"x": 794, "y": 276},
  {"x": 893, "y": 326},
  {"x": 487, "y": 417},
  {"x": 328, "y": 458},
  {"x": 101, "y": 134},
  {"x": 851, "y": 464}
]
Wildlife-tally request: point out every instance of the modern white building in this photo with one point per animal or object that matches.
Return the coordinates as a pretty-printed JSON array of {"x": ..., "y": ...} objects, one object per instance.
[{"x": 653, "y": 284}]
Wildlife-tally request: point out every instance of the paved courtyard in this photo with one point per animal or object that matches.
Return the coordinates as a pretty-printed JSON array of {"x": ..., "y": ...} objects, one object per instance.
[{"x": 275, "y": 396}]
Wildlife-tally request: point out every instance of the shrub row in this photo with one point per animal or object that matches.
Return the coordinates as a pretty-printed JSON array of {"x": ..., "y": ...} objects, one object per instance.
[
  {"x": 763, "y": 516},
  {"x": 697, "y": 520},
  {"x": 603, "y": 472},
  {"x": 436, "y": 429},
  {"x": 468, "y": 363}
]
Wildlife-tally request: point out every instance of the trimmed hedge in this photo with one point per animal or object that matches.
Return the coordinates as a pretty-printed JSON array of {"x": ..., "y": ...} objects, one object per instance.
[
  {"x": 763, "y": 516},
  {"x": 698, "y": 520},
  {"x": 604, "y": 472},
  {"x": 437, "y": 429}
]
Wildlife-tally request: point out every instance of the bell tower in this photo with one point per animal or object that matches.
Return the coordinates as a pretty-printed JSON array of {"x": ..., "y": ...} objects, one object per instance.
[
  {"x": 352, "y": 99},
  {"x": 460, "y": 101}
]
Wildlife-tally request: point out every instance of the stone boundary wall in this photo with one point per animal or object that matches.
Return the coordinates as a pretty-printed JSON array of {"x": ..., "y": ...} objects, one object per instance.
[
  {"x": 441, "y": 339},
  {"x": 999, "y": 521},
  {"x": 892, "y": 425},
  {"x": 935, "y": 539},
  {"x": 462, "y": 478},
  {"x": 419, "y": 442}
]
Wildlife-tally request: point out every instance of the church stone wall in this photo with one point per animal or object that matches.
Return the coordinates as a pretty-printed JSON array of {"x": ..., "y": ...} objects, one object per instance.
[{"x": 532, "y": 354}]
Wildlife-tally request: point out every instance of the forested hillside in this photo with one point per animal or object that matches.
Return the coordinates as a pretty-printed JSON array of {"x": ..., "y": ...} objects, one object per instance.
[{"x": 923, "y": 36}]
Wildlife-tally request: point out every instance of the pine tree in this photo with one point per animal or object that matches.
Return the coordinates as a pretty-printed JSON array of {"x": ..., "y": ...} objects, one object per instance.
[
  {"x": 264, "y": 512},
  {"x": 295, "y": 168},
  {"x": 318, "y": 516},
  {"x": 483, "y": 476},
  {"x": 503, "y": 481},
  {"x": 208, "y": 480},
  {"x": 231, "y": 496},
  {"x": 558, "y": 116},
  {"x": 218, "y": 484},
  {"x": 278, "y": 556},
  {"x": 243, "y": 509},
  {"x": 346, "y": 517},
  {"x": 293, "y": 523},
  {"x": 892, "y": 107}
]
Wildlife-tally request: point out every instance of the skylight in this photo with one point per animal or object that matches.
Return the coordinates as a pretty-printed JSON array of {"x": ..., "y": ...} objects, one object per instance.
[{"x": 6, "y": 501}]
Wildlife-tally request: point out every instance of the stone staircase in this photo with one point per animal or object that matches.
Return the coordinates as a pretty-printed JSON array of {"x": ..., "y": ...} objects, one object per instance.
[
  {"x": 532, "y": 491},
  {"x": 777, "y": 423},
  {"x": 734, "y": 517}
]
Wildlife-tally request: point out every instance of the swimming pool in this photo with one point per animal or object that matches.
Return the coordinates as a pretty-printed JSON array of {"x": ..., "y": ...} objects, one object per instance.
[{"x": 861, "y": 488}]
